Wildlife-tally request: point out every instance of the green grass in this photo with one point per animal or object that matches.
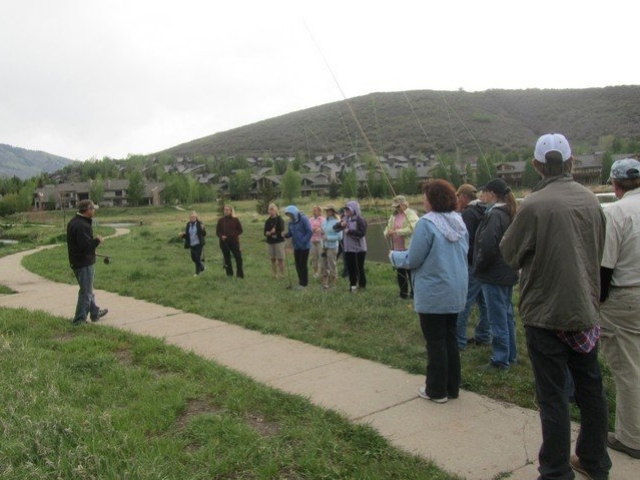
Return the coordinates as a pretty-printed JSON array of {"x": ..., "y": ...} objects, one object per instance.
[
  {"x": 94, "y": 403},
  {"x": 151, "y": 264}
]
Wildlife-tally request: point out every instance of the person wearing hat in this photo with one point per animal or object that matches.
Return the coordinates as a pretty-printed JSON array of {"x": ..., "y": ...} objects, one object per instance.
[
  {"x": 472, "y": 211},
  {"x": 495, "y": 276},
  {"x": 557, "y": 240},
  {"x": 399, "y": 230},
  {"x": 81, "y": 247},
  {"x": 620, "y": 294},
  {"x": 330, "y": 241}
]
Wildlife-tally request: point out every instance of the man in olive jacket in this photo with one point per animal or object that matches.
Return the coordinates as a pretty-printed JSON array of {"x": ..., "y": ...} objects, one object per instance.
[{"x": 557, "y": 239}]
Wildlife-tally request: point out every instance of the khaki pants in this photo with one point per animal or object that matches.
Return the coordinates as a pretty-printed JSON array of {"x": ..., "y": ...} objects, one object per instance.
[
  {"x": 329, "y": 263},
  {"x": 620, "y": 320}
]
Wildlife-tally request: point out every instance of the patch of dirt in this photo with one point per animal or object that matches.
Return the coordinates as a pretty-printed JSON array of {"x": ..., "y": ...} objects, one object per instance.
[{"x": 263, "y": 427}]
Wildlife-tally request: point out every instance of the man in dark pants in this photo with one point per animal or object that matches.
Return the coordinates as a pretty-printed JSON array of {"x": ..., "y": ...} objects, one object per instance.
[
  {"x": 81, "y": 245},
  {"x": 557, "y": 239},
  {"x": 193, "y": 235}
]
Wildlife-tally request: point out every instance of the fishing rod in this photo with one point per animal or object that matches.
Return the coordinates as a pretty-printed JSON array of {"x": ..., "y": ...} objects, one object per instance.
[{"x": 107, "y": 258}]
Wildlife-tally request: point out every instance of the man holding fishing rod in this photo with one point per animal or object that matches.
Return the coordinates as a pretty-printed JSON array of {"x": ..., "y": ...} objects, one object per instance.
[{"x": 81, "y": 245}]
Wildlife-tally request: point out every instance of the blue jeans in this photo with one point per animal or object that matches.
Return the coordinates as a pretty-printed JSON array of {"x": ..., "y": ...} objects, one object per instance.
[
  {"x": 503, "y": 323},
  {"x": 86, "y": 301},
  {"x": 552, "y": 360},
  {"x": 443, "y": 358},
  {"x": 483, "y": 329}
]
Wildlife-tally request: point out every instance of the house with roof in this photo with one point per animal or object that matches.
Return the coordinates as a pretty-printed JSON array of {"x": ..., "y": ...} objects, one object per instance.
[{"x": 66, "y": 196}]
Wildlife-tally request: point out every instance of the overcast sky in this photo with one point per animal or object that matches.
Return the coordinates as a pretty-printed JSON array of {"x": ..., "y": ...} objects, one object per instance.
[{"x": 94, "y": 78}]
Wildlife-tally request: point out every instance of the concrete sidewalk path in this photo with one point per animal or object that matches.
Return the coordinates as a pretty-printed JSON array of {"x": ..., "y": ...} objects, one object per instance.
[{"x": 473, "y": 436}]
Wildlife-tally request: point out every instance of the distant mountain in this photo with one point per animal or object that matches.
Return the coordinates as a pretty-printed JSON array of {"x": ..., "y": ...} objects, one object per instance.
[
  {"x": 26, "y": 164},
  {"x": 427, "y": 121}
]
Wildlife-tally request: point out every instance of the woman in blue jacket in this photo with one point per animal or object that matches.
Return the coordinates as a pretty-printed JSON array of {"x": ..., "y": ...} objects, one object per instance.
[
  {"x": 437, "y": 258},
  {"x": 300, "y": 234}
]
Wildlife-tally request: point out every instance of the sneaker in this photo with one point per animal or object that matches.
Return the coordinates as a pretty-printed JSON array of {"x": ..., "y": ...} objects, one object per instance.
[
  {"x": 473, "y": 341},
  {"x": 493, "y": 367},
  {"x": 101, "y": 313},
  {"x": 615, "y": 444},
  {"x": 422, "y": 393},
  {"x": 574, "y": 461},
  {"x": 353, "y": 289}
]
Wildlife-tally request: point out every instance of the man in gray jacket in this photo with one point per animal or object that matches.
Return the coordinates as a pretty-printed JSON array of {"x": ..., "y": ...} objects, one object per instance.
[{"x": 557, "y": 239}]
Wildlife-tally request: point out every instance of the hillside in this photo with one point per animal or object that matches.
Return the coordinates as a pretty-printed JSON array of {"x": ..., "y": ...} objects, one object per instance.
[
  {"x": 427, "y": 121},
  {"x": 26, "y": 164}
]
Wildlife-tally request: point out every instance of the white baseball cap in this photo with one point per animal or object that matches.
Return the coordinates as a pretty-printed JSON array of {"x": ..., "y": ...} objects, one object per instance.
[{"x": 552, "y": 142}]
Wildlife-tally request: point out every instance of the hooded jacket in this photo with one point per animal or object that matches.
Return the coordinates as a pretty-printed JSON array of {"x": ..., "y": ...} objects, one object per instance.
[
  {"x": 354, "y": 234},
  {"x": 299, "y": 229},
  {"x": 437, "y": 258}
]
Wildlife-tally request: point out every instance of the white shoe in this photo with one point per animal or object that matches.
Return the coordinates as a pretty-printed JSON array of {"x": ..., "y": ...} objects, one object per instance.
[{"x": 422, "y": 393}]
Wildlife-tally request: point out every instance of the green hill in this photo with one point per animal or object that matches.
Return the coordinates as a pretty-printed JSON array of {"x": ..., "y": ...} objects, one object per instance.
[
  {"x": 426, "y": 121},
  {"x": 26, "y": 164}
]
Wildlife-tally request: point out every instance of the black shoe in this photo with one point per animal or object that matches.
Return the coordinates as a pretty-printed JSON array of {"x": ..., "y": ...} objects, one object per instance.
[
  {"x": 615, "y": 444},
  {"x": 101, "y": 313}
]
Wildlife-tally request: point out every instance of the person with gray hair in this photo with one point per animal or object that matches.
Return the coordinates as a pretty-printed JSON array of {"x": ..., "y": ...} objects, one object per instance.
[
  {"x": 557, "y": 239},
  {"x": 620, "y": 294},
  {"x": 193, "y": 235},
  {"x": 81, "y": 246}
]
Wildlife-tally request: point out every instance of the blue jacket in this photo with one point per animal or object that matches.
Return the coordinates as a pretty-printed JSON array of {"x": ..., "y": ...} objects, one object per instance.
[
  {"x": 299, "y": 229},
  {"x": 437, "y": 258},
  {"x": 331, "y": 237}
]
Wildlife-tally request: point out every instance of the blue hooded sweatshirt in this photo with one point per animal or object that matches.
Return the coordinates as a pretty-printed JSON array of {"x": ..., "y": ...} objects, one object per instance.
[{"x": 299, "y": 229}]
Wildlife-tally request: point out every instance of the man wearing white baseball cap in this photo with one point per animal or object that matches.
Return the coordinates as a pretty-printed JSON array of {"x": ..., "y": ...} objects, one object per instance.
[
  {"x": 557, "y": 239},
  {"x": 620, "y": 279}
]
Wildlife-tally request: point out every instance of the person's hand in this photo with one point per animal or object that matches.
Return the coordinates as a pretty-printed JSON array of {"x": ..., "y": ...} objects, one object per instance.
[
  {"x": 391, "y": 232},
  {"x": 223, "y": 237},
  {"x": 99, "y": 238}
]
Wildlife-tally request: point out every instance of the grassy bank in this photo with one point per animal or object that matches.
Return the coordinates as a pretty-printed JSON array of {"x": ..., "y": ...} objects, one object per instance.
[{"x": 99, "y": 403}]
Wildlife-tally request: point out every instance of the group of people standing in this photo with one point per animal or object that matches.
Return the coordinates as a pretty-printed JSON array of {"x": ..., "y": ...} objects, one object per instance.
[
  {"x": 579, "y": 275},
  {"x": 577, "y": 265},
  {"x": 323, "y": 237}
]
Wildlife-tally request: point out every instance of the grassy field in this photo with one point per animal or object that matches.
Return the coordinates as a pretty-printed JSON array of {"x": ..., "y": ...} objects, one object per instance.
[
  {"x": 150, "y": 263},
  {"x": 100, "y": 403}
]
